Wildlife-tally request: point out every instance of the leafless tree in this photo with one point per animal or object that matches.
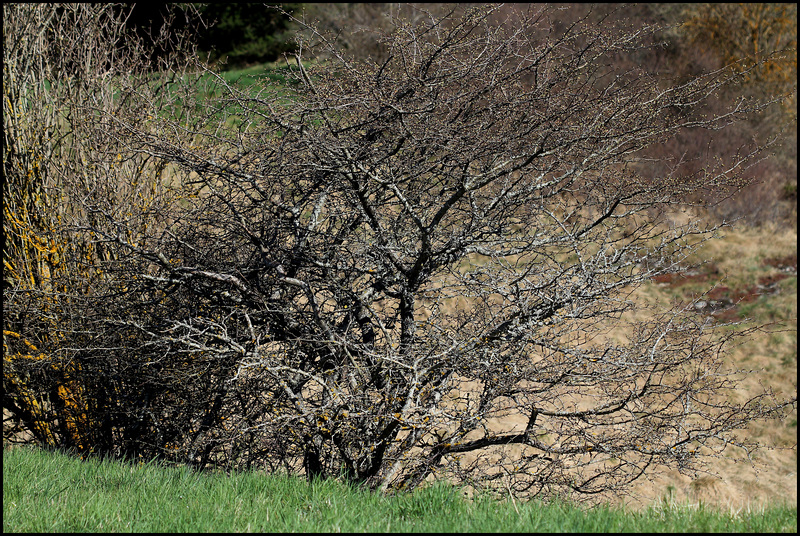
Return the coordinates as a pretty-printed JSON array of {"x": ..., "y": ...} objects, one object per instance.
[{"x": 425, "y": 267}]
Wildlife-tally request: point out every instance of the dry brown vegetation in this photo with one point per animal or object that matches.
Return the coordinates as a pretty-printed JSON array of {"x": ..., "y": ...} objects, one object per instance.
[
  {"x": 756, "y": 269},
  {"x": 751, "y": 274}
]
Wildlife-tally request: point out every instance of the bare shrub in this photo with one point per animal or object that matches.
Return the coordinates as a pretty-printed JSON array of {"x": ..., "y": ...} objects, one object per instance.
[{"x": 409, "y": 269}]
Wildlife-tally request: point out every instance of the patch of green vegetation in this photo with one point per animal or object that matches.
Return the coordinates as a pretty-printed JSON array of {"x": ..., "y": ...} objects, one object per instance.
[
  {"x": 54, "y": 492},
  {"x": 274, "y": 73}
]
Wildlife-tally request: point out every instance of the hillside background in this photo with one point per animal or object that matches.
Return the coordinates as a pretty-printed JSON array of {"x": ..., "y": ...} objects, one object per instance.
[{"x": 698, "y": 38}]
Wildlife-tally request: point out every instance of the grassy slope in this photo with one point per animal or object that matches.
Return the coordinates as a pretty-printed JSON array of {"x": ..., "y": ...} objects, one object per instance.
[{"x": 51, "y": 492}]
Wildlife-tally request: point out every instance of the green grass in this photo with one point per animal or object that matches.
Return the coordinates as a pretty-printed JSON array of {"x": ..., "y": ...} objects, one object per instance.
[
  {"x": 275, "y": 73},
  {"x": 268, "y": 82},
  {"x": 52, "y": 492}
]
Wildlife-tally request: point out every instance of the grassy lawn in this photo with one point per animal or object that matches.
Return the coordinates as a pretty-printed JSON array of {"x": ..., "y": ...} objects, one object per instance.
[{"x": 51, "y": 492}]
